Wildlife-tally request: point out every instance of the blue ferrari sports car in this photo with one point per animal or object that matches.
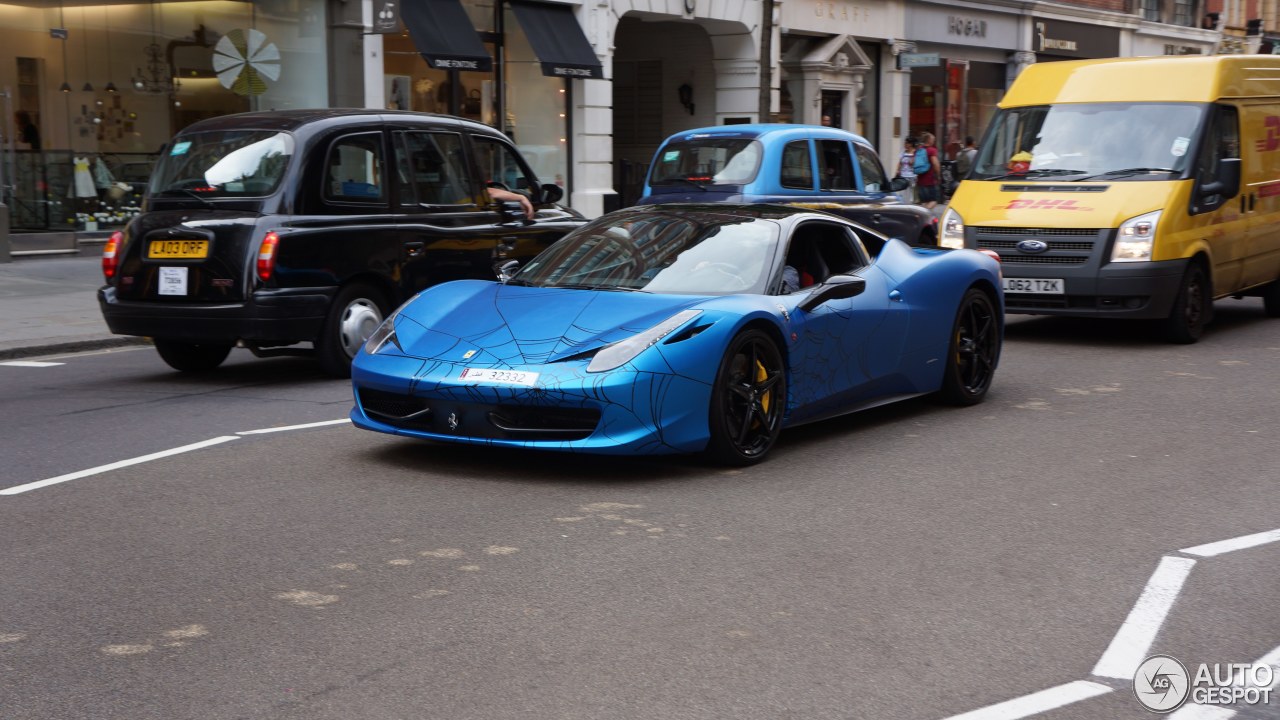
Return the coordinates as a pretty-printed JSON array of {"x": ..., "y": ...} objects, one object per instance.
[{"x": 683, "y": 329}]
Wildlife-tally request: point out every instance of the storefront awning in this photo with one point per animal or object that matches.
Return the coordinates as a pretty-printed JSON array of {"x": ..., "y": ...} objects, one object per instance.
[
  {"x": 444, "y": 35},
  {"x": 557, "y": 39}
]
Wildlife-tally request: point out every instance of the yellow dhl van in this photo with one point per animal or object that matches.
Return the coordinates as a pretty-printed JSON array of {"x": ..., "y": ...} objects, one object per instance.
[{"x": 1131, "y": 188}]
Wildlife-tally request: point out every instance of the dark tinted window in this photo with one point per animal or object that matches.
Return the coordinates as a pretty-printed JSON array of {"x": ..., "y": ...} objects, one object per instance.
[
  {"x": 433, "y": 169},
  {"x": 354, "y": 170},
  {"x": 499, "y": 163},
  {"x": 836, "y": 165},
  {"x": 797, "y": 166}
]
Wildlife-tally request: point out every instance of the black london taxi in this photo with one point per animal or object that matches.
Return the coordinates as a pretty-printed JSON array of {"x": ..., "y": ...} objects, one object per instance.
[{"x": 270, "y": 230}]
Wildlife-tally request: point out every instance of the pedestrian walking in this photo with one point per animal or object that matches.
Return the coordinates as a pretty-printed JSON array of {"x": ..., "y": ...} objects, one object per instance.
[{"x": 927, "y": 189}]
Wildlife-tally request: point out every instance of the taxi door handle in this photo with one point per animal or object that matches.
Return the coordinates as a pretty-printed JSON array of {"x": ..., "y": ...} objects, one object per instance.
[{"x": 414, "y": 249}]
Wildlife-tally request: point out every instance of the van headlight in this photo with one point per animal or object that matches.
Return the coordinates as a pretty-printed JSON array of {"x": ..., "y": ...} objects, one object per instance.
[
  {"x": 951, "y": 234},
  {"x": 1135, "y": 238}
]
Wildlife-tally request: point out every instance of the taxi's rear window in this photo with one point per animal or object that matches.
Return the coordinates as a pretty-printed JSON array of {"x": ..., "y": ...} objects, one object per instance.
[
  {"x": 230, "y": 163},
  {"x": 707, "y": 161}
]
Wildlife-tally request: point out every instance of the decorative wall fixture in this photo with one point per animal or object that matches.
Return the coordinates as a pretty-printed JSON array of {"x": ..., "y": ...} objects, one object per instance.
[{"x": 243, "y": 58}]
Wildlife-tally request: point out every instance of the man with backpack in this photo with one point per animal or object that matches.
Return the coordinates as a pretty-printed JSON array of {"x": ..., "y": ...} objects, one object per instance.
[{"x": 927, "y": 182}]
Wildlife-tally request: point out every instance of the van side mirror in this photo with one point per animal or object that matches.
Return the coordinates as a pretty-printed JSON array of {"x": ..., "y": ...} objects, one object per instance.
[
  {"x": 551, "y": 193},
  {"x": 1213, "y": 195},
  {"x": 898, "y": 184},
  {"x": 836, "y": 287}
]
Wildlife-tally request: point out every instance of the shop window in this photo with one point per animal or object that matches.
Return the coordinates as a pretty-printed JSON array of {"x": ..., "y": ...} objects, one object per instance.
[
  {"x": 797, "y": 167},
  {"x": 873, "y": 179},
  {"x": 433, "y": 170},
  {"x": 836, "y": 165},
  {"x": 500, "y": 164},
  {"x": 353, "y": 170}
]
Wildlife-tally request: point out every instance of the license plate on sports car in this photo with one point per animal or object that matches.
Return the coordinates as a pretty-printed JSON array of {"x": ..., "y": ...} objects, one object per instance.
[
  {"x": 1034, "y": 286},
  {"x": 504, "y": 377},
  {"x": 178, "y": 249}
]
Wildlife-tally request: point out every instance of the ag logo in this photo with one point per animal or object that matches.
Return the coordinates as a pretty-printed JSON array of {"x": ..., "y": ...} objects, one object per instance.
[{"x": 1161, "y": 684}]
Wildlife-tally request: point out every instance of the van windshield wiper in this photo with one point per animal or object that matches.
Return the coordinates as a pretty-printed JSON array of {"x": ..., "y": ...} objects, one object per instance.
[
  {"x": 1131, "y": 171},
  {"x": 1038, "y": 172}
]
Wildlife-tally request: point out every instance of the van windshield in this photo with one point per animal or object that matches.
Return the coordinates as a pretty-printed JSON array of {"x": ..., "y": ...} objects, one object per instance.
[
  {"x": 1111, "y": 141},
  {"x": 707, "y": 161},
  {"x": 235, "y": 163}
]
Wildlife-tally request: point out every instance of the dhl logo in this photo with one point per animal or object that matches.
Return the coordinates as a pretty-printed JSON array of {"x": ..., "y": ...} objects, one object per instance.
[
  {"x": 1042, "y": 205},
  {"x": 1272, "y": 140}
]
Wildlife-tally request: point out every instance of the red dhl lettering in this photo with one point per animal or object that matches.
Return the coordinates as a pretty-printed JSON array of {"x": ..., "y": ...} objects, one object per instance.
[
  {"x": 1042, "y": 205},
  {"x": 1272, "y": 140}
]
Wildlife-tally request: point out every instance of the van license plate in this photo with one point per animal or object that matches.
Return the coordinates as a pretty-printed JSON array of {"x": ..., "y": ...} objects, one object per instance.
[
  {"x": 1034, "y": 286},
  {"x": 178, "y": 249}
]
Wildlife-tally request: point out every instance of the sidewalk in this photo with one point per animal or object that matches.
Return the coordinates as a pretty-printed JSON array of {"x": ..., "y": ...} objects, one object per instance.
[{"x": 48, "y": 305}]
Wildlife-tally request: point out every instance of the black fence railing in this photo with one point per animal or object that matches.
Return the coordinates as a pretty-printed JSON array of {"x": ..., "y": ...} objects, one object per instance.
[{"x": 64, "y": 190}]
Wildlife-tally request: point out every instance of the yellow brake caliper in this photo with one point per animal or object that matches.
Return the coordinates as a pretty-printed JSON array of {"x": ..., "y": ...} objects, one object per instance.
[{"x": 761, "y": 376}]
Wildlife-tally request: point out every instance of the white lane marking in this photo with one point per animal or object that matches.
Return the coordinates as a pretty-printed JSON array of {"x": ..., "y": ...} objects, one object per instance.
[
  {"x": 1225, "y": 546},
  {"x": 1130, "y": 645},
  {"x": 263, "y": 431},
  {"x": 1202, "y": 712},
  {"x": 1036, "y": 703},
  {"x": 30, "y": 363},
  {"x": 116, "y": 465}
]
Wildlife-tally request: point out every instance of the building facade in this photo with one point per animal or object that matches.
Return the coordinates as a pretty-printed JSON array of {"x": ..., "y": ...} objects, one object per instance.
[{"x": 587, "y": 88}]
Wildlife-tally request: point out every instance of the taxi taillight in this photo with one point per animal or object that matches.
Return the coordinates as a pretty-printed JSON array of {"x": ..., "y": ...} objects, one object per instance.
[
  {"x": 267, "y": 256},
  {"x": 110, "y": 254}
]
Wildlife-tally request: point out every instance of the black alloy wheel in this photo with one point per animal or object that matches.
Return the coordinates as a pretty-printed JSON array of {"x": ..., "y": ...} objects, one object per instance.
[
  {"x": 1190, "y": 312},
  {"x": 191, "y": 357},
  {"x": 748, "y": 400},
  {"x": 975, "y": 350}
]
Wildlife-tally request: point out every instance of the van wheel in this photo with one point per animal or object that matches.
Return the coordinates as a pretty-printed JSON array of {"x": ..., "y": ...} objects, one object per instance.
[
  {"x": 1186, "y": 321},
  {"x": 747, "y": 400},
  {"x": 355, "y": 313},
  {"x": 191, "y": 357},
  {"x": 974, "y": 350},
  {"x": 1271, "y": 299}
]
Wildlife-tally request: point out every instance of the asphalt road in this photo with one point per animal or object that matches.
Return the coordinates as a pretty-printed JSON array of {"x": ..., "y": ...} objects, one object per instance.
[{"x": 915, "y": 561}]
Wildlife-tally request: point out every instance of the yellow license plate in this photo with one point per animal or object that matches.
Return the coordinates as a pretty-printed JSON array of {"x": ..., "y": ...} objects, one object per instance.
[{"x": 178, "y": 249}]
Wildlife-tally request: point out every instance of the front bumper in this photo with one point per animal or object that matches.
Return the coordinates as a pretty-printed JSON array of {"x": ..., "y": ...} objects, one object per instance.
[
  {"x": 270, "y": 317},
  {"x": 622, "y": 412}
]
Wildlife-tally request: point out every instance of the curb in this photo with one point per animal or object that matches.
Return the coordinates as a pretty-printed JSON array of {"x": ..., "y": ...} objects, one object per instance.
[{"x": 60, "y": 348}]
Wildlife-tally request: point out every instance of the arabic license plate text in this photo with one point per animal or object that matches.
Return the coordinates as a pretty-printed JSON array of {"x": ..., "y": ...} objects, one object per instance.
[
  {"x": 504, "y": 377},
  {"x": 1034, "y": 286}
]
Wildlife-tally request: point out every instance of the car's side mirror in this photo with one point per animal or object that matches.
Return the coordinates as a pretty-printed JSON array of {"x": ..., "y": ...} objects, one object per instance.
[
  {"x": 899, "y": 184},
  {"x": 551, "y": 193},
  {"x": 1213, "y": 195},
  {"x": 506, "y": 270},
  {"x": 836, "y": 287}
]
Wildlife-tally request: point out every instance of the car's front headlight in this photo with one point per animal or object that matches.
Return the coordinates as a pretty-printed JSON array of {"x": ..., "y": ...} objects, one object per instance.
[
  {"x": 951, "y": 234},
  {"x": 624, "y": 351},
  {"x": 1135, "y": 238}
]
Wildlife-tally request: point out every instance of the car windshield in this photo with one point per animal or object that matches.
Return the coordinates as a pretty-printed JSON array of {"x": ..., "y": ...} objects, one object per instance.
[
  {"x": 707, "y": 161},
  {"x": 1090, "y": 141},
  {"x": 236, "y": 163},
  {"x": 692, "y": 252}
]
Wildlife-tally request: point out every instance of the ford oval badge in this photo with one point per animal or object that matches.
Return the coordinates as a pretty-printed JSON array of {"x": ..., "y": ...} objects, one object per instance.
[{"x": 1031, "y": 247}]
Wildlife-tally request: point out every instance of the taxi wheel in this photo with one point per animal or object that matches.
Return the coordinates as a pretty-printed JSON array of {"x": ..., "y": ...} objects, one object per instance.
[
  {"x": 191, "y": 357},
  {"x": 1190, "y": 313},
  {"x": 974, "y": 351},
  {"x": 747, "y": 400},
  {"x": 355, "y": 313}
]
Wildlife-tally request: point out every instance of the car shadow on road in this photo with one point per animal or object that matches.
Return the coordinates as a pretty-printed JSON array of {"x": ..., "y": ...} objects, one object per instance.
[{"x": 1229, "y": 315}]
